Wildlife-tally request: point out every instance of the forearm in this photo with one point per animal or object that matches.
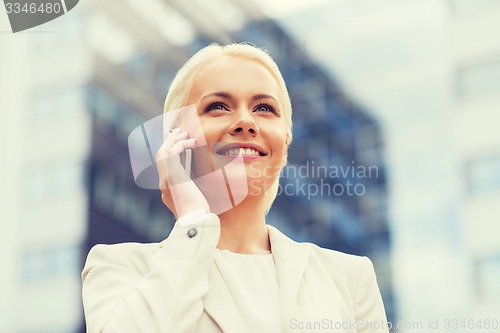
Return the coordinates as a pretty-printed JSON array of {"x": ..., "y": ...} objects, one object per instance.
[{"x": 166, "y": 299}]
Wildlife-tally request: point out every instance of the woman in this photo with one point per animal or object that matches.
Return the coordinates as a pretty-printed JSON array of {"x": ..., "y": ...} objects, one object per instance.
[{"x": 229, "y": 271}]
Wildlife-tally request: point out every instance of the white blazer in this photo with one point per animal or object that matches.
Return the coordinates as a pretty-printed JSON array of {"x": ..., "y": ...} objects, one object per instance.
[{"x": 174, "y": 286}]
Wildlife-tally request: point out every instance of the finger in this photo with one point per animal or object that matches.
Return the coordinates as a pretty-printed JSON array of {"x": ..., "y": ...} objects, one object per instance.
[
  {"x": 175, "y": 171},
  {"x": 171, "y": 134},
  {"x": 175, "y": 130},
  {"x": 172, "y": 157},
  {"x": 172, "y": 131},
  {"x": 181, "y": 145},
  {"x": 170, "y": 168},
  {"x": 169, "y": 142}
]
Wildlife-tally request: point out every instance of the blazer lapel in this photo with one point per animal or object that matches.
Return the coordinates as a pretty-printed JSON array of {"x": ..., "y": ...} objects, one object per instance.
[
  {"x": 219, "y": 304},
  {"x": 291, "y": 259},
  {"x": 324, "y": 298}
]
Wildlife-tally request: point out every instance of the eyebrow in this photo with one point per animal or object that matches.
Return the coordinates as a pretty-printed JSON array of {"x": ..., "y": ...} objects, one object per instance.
[{"x": 229, "y": 96}]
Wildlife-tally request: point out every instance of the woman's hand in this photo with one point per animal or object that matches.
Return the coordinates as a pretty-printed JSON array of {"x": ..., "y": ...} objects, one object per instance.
[{"x": 179, "y": 193}]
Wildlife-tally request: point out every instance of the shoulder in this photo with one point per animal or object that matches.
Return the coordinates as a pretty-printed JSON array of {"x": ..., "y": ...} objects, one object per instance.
[
  {"x": 347, "y": 269},
  {"x": 340, "y": 259},
  {"x": 338, "y": 264}
]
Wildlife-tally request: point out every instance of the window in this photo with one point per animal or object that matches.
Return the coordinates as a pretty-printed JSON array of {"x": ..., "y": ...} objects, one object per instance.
[
  {"x": 52, "y": 179},
  {"x": 488, "y": 275},
  {"x": 163, "y": 77},
  {"x": 109, "y": 39},
  {"x": 55, "y": 105},
  {"x": 483, "y": 174},
  {"x": 39, "y": 264},
  {"x": 470, "y": 7},
  {"x": 172, "y": 25},
  {"x": 121, "y": 202},
  {"x": 234, "y": 17},
  {"x": 366, "y": 136},
  {"x": 479, "y": 80},
  {"x": 158, "y": 224},
  {"x": 104, "y": 189},
  {"x": 103, "y": 106},
  {"x": 140, "y": 65},
  {"x": 139, "y": 212},
  {"x": 128, "y": 120},
  {"x": 67, "y": 33}
]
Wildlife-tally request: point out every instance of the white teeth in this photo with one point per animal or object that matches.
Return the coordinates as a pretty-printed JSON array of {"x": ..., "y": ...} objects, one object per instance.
[{"x": 241, "y": 151}]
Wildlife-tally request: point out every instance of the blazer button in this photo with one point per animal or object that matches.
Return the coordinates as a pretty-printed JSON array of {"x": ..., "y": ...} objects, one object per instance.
[{"x": 192, "y": 232}]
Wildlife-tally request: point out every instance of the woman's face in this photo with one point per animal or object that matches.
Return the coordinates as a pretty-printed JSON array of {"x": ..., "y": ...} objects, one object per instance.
[{"x": 239, "y": 108}]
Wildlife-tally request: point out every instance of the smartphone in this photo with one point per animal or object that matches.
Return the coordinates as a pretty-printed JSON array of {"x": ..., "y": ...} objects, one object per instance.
[{"x": 188, "y": 156}]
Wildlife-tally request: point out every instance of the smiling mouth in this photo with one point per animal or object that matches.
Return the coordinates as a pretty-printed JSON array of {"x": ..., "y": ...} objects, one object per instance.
[
  {"x": 241, "y": 151},
  {"x": 250, "y": 150}
]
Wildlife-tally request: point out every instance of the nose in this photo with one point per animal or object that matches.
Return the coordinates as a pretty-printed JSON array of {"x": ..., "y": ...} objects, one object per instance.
[{"x": 244, "y": 124}]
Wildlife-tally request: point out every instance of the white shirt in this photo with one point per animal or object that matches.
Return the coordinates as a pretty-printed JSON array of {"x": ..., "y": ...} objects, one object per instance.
[{"x": 252, "y": 280}]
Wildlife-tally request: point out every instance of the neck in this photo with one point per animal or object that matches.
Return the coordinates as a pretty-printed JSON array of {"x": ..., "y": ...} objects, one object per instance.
[{"x": 244, "y": 230}]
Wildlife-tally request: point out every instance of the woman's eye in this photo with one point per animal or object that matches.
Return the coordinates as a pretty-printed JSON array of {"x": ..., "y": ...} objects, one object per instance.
[
  {"x": 265, "y": 108},
  {"x": 216, "y": 106}
]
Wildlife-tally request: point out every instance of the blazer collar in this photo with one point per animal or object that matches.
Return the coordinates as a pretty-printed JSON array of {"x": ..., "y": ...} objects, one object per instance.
[{"x": 290, "y": 258}]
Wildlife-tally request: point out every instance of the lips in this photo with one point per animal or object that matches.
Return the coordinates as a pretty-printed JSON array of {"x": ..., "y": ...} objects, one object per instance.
[{"x": 241, "y": 148}]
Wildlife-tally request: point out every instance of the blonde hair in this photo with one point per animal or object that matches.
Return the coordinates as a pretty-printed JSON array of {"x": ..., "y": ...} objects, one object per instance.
[{"x": 182, "y": 85}]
